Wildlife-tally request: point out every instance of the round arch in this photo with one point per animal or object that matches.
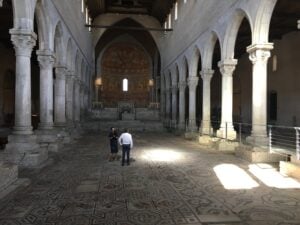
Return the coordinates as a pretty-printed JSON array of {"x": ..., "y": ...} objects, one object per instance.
[
  {"x": 231, "y": 33},
  {"x": 58, "y": 44}
]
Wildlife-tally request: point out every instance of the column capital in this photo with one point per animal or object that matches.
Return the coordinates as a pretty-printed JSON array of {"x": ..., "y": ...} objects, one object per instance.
[
  {"x": 168, "y": 90},
  {"x": 23, "y": 41},
  {"x": 260, "y": 52},
  {"x": 174, "y": 88},
  {"x": 61, "y": 72},
  {"x": 207, "y": 74},
  {"x": 193, "y": 82},
  {"x": 227, "y": 66},
  {"x": 46, "y": 59},
  {"x": 182, "y": 85}
]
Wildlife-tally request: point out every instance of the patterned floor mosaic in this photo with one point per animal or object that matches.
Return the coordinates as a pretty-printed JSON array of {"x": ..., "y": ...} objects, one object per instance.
[{"x": 170, "y": 181}]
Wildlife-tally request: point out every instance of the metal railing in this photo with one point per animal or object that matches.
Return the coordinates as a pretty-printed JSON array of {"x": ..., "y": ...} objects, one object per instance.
[{"x": 280, "y": 139}]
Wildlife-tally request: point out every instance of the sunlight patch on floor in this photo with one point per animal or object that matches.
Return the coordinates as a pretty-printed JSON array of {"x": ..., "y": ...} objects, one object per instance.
[
  {"x": 234, "y": 177},
  {"x": 162, "y": 155},
  {"x": 272, "y": 178}
]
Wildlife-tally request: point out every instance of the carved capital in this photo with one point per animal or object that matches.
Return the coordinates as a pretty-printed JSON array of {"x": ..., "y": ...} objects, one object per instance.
[
  {"x": 207, "y": 74},
  {"x": 61, "y": 72},
  {"x": 46, "y": 59},
  {"x": 260, "y": 53},
  {"x": 23, "y": 41},
  {"x": 182, "y": 86},
  {"x": 174, "y": 89},
  {"x": 193, "y": 82},
  {"x": 227, "y": 67}
]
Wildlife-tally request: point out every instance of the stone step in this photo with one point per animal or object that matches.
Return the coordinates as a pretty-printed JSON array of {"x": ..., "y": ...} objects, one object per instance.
[{"x": 133, "y": 125}]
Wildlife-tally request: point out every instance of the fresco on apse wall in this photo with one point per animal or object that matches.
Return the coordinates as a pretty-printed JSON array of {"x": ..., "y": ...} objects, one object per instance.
[{"x": 125, "y": 60}]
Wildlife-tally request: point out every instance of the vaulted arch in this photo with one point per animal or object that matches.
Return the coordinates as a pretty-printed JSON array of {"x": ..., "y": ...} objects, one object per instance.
[{"x": 232, "y": 31}]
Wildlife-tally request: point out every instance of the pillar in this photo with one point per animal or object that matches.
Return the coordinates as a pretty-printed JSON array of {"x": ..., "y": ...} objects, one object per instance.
[
  {"x": 23, "y": 147},
  {"x": 259, "y": 55},
  {"x": 206, "y": 76},
  {"x": 168, "y": 104},
  {"x": 174, "y": 104},
  {"x": 192, "y": 82},
  {"x": 162, "y": 99},
  {"x": 227, "y": 68},
  {"x": 60, "y": 96},
  {"x": 77, "y": 100},
  {"x": 69, "y": 96},
  {"x": 23, "y": 42},
  {"x": 46, "y": 61},
  {"x": 182, "y": 87}
]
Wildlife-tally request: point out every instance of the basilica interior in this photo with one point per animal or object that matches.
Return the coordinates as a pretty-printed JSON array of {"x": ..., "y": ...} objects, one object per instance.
[{"x": 208, "y": 89}]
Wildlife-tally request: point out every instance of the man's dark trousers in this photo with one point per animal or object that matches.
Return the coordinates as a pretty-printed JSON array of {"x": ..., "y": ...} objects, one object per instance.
[{"x": 125, "y": 150}]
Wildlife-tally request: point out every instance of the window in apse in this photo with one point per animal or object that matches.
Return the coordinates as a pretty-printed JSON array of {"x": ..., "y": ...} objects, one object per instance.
[{"x": 125, "y": 85}]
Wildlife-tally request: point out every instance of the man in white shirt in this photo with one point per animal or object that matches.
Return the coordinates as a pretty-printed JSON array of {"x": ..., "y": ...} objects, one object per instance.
[{"x": 126, "y": 141}]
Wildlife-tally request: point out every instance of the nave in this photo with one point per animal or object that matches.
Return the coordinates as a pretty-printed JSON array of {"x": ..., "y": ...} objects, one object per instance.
[{"x": 170, "y": 181}]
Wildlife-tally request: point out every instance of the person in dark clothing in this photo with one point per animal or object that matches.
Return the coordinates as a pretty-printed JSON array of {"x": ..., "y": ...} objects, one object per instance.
[{"x": 113, "y": 137}]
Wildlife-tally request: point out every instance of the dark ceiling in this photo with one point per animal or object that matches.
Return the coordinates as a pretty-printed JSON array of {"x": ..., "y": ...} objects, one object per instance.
[{"x": 156, "y": 8}]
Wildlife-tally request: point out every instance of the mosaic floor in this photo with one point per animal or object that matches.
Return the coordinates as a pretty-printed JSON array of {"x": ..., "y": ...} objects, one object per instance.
[{"x": 169, "y": 182}]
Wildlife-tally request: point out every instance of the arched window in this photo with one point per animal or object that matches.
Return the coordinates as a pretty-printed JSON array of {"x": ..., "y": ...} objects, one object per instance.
[
  {"x": 125, "y": 84},
  {"x": 82, "y": 6},
  {"x": 176, "y": 11},
  {"x": 170, "y": 21}
]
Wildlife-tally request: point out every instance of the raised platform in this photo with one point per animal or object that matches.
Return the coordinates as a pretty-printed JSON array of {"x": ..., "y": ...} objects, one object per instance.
[
  {"x": 257, "y": 154},
  {"x": 133, "y": 125}
]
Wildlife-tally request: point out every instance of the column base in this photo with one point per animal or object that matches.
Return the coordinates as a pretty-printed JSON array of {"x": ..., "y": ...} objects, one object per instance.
[
  {"x": 228, "y": 134},
  {"x": 205, "y": 140},
  {"x": 19, "y": 130},
  {"x": 257, "y": 154},
  {"x": 49, "y": 139},
  {"x": 191, "y": 135},
  {"x": 206, "y": 130},
  {"x": 181, "y": 126},
  {"x": 25, "y": 151},
  {"x": 45, "y": 126},
  {"x": 258, "y": 140}
]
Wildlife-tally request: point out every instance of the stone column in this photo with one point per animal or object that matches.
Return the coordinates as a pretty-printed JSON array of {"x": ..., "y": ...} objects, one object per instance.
[
  {"x": 77, "y": 100},
  {"x": 23, "y": 147},
  {"x": 46, "y": 61},
  {"x": 69, "y": 97},
  {"x": 81, "y": 99},
  {"x": 206, "y": 76},
  {"x": 182, "y": 87},
  {"x": 227, "y": 68},
  {"x": 174, "y": 104},
  {"x": 259, "y": 55},
  {"x": 192, "y": 82},
  {"x": 168, "y": 104},
  {"x": 60, "y": 97},
  {"x": 162, "y": 99},
  {"x": 23, "y": 42}
]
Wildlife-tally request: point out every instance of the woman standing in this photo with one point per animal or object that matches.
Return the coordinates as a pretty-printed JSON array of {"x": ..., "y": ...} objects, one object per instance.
[{"x": 113, "y": 136}]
